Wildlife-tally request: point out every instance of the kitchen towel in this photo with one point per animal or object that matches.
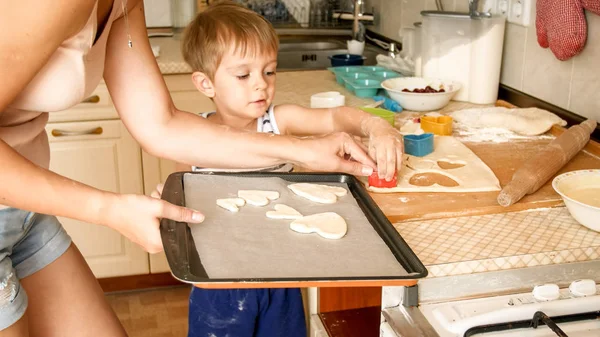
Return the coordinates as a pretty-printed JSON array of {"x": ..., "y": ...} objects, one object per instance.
[{"x": 561, "y": 25}]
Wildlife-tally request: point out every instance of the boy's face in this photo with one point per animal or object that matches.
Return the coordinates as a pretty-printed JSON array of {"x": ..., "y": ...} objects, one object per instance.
[{"x": 245, "y": 86}]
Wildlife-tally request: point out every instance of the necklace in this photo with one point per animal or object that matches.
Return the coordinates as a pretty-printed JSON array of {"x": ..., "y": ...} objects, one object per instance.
[{"x": 124, "y": 7}]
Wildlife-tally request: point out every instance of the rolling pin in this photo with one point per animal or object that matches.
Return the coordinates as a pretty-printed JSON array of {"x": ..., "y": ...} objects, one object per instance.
[{"x": 540, "y": 168}]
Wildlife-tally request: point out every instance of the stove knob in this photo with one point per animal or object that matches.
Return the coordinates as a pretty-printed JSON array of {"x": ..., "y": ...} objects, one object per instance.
[
  {"x": 546, "y": 292},
  {"x": 582, "y": 288}
]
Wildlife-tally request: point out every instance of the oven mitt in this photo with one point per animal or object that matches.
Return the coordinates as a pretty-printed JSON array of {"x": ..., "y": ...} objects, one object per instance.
[
  {"x": 592, "y": 6},
  {"x": 561, "y": 25}
]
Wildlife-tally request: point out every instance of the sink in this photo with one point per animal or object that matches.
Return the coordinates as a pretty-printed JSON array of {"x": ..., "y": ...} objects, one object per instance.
[
  {"x": 310, "y": 46},
  {"x": 302, "y": 54}
]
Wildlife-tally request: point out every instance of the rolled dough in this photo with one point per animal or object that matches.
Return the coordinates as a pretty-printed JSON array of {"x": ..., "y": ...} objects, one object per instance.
[
  {"x": 323, "y": 194},
  {"x": 231, "y": 204},
  {"x": 528, "y": 122},
  {"x": 452, "y": 160},
  {"x": 284, "y": 212},
  {"x": 329, "y": 225},
  {"x": 257, "y": 197}
]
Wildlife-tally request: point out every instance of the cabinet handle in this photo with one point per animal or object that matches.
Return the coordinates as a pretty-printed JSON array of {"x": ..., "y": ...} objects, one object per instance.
[
  {"x": 92, "y": 99},
  {"x": 64, "y": 133}
]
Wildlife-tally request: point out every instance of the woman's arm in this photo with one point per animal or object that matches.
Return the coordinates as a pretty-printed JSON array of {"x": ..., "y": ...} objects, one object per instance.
[
  {"x": 30, "y": 32},
  {"x": 385, "y": 142},
  {"x": 145, "y": 106},
  {"x": 27, "y": 186}
]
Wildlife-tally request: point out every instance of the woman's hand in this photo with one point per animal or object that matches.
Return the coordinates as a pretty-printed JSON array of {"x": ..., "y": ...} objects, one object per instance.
[
  {"x": 336, "y": 152},
  {"x": 386, "y": 145},
  {"x": 137, "y": 217}
]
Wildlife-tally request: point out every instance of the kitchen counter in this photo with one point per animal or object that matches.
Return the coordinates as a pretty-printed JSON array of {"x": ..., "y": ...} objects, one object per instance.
[
  {"x": 453, "y": 244},
  {"x": 473, "y": 244},
  {"x": 170, "y": 61},
  {"x": 467, "y": 245}
]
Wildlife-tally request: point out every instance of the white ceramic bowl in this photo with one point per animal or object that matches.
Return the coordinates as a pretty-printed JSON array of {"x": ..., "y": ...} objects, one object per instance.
[
  {"x": 420, "y": 101},
  {"x": 570, "y": 185}
]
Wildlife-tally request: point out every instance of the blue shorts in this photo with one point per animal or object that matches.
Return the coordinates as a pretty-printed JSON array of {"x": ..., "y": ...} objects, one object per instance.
[
  {"x": 28, "y": 243},
  {"x": 246, "y": 313}
]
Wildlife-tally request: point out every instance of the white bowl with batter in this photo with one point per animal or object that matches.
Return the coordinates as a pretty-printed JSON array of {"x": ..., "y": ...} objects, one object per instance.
[
  {"x": 580, "y": 190},
  {"x": 420, "y": 101}
]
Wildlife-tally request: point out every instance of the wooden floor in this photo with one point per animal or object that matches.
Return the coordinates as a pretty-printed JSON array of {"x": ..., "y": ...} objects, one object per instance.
[{"x": 153, "y": 313}]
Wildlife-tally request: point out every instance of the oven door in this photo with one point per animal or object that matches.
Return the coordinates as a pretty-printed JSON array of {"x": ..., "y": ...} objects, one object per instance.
[
  {"x": 517, "y": 315},
  {"x": 580, "y": 325}
]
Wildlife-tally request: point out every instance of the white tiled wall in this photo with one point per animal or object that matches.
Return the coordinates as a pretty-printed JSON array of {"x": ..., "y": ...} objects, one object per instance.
[
  {"x": 573, "y": 85},
  {"x": 158, "y": 13},
  {"x": 392, "y": 15}
]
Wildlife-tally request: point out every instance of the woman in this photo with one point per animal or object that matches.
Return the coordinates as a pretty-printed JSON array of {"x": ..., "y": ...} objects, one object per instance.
[{"x": 52, "y": 55}]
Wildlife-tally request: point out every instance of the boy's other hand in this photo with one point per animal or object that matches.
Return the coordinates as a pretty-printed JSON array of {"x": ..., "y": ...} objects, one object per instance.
[
  {"x": 386, "y": 146},
  {"x": 157, "y": 193},
  {"x": 336, "y": 152}
]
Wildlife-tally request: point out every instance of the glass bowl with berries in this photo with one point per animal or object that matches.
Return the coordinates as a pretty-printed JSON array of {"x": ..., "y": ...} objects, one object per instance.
[{"x": 421, "y": 94}]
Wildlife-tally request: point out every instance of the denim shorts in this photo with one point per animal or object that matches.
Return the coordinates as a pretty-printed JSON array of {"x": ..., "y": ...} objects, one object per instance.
[{"x": 28, "y": 242}]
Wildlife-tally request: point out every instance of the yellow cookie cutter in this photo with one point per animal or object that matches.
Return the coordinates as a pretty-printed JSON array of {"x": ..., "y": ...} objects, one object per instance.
[{"x": 441, "y": 125}]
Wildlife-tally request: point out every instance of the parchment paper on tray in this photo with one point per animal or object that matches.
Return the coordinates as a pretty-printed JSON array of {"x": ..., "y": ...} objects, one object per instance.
[{"x": 247, "y": 244}]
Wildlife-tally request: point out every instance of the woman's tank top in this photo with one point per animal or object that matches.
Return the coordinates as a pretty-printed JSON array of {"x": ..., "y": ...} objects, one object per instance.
[{"x": 69, "y": 76}]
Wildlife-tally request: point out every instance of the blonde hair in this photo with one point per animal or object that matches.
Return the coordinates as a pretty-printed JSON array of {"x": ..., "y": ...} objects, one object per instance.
[{"x": 222, "y": 26}]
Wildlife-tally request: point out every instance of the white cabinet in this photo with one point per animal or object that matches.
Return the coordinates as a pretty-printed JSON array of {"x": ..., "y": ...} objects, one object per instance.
[
  {"x": 101, "y": 154},
  {"x": 156, "y": 171},
  {"x": 88, "y": 143}
]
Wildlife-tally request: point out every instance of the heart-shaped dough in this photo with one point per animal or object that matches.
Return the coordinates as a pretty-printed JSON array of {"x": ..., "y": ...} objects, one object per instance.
[
  {"x": 329, "y": 225},
  {"x": 258, "y": 198},
  {"x": 284, "y": 212},
  {"x": 447, "y": 164},
  {"x": 231, "y": 204},
  {"x": 431, "y": 178},
  {"x": 323, "y": 194}
]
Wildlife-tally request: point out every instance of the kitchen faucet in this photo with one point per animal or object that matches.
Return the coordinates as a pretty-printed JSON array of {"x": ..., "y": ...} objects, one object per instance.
[
  {"x": 358, "y": 12},
  {"x": 474, "y": 12}
]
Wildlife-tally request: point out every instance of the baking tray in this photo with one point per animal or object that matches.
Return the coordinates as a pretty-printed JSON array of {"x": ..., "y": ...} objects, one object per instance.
[{"x": 212, "y": 255}]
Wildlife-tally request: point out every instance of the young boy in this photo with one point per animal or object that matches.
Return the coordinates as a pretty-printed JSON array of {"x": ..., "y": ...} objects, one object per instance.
[{"x": 233, "y": 53}]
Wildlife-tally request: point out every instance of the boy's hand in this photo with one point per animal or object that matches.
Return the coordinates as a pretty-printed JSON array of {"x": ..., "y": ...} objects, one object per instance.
[
  {"x": 386, "y": 146},
  {"x": 157, "y": 193}
]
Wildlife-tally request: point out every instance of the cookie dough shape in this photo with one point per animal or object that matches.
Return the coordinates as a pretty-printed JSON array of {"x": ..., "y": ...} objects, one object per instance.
[
  {"x": 257, "y": 197},
  {"x": 451, "y": 167},
  {"x": 329, "y": 225},
  {"x": 323, "y": 194},
  {"x": 284, "y": 212},
  {"x": 231, "y": 204},
  {"x": 528, "y": 122}
]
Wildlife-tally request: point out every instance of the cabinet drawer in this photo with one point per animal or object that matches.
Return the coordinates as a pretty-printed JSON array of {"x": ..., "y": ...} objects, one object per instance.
[
  {"x": 99, "y": 98},
  {"x": 66, "y": 132},
  {"x": 96, "y": 106}
]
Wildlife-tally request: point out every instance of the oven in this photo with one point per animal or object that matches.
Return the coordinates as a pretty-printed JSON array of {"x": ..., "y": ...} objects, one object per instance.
[{"x": 546, "y": 301}]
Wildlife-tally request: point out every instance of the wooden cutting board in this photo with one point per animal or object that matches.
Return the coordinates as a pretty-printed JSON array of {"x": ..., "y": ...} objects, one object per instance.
[{"x": 504, "y": 159}]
